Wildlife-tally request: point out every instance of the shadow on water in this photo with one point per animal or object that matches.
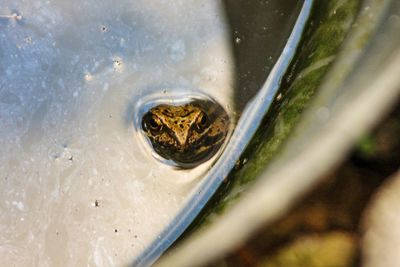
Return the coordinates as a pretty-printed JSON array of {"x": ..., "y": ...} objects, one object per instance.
[{"x": 259, "y": 31}]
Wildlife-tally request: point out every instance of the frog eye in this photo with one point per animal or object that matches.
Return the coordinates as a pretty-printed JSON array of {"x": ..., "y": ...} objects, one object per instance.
[
  {"x": 153, "y": 124},
  {"x": 202, "y": 121}
]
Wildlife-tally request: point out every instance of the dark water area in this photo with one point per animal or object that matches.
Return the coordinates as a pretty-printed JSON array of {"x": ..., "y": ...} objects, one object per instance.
[{"x": 259, "y": 31}]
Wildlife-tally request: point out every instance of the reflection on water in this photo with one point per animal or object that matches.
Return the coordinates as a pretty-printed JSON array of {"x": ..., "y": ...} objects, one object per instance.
[
  {"x": 76, "y": 186},
  {"x": 258, "y": 30}
]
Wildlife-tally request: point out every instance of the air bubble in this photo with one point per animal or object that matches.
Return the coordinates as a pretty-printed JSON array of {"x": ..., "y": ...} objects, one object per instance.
[{"x": 88, "y": 77}]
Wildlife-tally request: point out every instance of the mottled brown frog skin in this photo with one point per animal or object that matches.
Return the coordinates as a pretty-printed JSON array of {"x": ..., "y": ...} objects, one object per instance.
[{"x": 188, "y": 134}]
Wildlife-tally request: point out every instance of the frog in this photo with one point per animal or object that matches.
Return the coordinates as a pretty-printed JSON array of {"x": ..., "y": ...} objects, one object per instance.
[{"x": 188, "y": 134}]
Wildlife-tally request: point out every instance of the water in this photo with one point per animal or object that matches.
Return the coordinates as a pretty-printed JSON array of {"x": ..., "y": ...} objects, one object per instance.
[{"x": 77, "y": 185}]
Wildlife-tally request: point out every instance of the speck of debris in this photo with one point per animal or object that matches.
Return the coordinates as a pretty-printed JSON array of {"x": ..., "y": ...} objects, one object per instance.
[
  {"x": 237, "y": 164},
  {"x": 71, "y": 158},
  {"x": 12, "y": 16},
  {"x": 135, "y": 236},
  {"x": 116, "y": 231},
  {"x": 96, "y": 203}
]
